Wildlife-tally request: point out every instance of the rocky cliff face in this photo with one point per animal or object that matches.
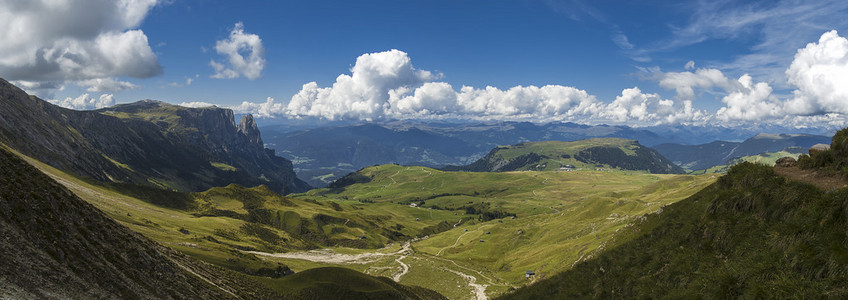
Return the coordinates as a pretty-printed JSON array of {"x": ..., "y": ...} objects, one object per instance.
[{"x": 147, "y": 142}]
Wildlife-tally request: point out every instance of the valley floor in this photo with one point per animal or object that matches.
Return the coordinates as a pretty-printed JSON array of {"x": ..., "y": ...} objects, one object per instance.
[{"x": 562, "y": 218}]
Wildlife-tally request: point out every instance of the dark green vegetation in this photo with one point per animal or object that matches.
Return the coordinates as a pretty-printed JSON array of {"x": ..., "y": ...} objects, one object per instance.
[
  {"x": 699, "y": 157},
  {"x": 324, "y": 154},
  {"x": 145, "y": 143},
  {"x": 585, "y": 154},
  {"x": 752, "y": 234},
  {"x": 343, "y": 283},
  {"x": 833, "y": 160}
]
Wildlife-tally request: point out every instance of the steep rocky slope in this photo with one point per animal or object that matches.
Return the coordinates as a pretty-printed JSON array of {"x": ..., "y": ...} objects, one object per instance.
[
  {"x": 585, "y": 154},
  {"x": 147, "y": 142},
  {"x": 54, "y": 245}
]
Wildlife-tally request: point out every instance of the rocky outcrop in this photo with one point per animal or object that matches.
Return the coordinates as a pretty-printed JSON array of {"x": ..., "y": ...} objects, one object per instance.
[
  {"x": 247, "y": 127},
  {"x": 146, "y": 142}
]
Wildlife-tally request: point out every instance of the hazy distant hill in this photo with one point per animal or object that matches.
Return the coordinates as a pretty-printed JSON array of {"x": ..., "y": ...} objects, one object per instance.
[
  {"x": 697, "y": 157},
  {"x": 322, "y": 155},
  {"x": 585, "y": 154},
  {"x": 752, "y": 234},
  {"x": 147, "y": 142}
]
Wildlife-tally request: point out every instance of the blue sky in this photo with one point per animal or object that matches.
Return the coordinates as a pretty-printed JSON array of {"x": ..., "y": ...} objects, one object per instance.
[{"x": 617, "y": 62}]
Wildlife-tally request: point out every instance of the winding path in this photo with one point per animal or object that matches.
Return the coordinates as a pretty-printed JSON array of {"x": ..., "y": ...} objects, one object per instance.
[
  {"x": 404, "y": 268},
  {"x": 454, "y": 244}
]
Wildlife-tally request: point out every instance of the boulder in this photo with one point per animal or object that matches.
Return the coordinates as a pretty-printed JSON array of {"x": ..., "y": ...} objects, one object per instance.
[
  {"x": 818, "y": 148},
  {"x": 786, "y": 162}
]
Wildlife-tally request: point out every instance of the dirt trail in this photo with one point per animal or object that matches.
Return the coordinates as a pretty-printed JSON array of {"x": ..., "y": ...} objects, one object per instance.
[
  {"x": 819, "y": 179},
  {"x": 454, "y": 244},
  {"x": 404, "y": 268},
  {"x": 331, "y": 257},
  {"x": 479, "y": 289}
]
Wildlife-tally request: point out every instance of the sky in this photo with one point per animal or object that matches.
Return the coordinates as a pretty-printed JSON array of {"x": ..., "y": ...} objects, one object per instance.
[{"x": 637, "y": 63}]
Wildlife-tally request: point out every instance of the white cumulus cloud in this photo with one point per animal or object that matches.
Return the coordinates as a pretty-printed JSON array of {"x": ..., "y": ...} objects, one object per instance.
[
  {"x": 633, "y": 106},
  {"x": 244, "y": 55},
  {"x": 84, "y": 101},
  {"x": 751, "y": 102},
  {"x": 386, "y": 85},
  {"x": 820, "y": 74},
  {"x": 365, "y": 93},
  {"x": 75, "y": 40}
]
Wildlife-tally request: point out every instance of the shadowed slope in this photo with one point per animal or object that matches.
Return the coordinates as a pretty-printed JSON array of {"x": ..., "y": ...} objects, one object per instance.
[{"x": 54, "y": 245}]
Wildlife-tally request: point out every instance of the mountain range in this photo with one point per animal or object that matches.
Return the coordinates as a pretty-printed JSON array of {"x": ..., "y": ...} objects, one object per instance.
[
  {"x": 699, "y": 157},
  {"x": 321, "y": 155}
]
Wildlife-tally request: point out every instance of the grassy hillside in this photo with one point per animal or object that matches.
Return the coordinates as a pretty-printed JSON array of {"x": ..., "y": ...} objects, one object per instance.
[
  {"x": 585, "y": 154},
  {"x": 221, "y": 225},
  {"x": 560, "y": 218},
  {"x": 768, "y": 159},
  {"x": 752, "y": 234}
]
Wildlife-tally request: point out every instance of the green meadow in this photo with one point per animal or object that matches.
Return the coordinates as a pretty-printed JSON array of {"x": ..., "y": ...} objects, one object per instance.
[{"x": 463, "y": 234}]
